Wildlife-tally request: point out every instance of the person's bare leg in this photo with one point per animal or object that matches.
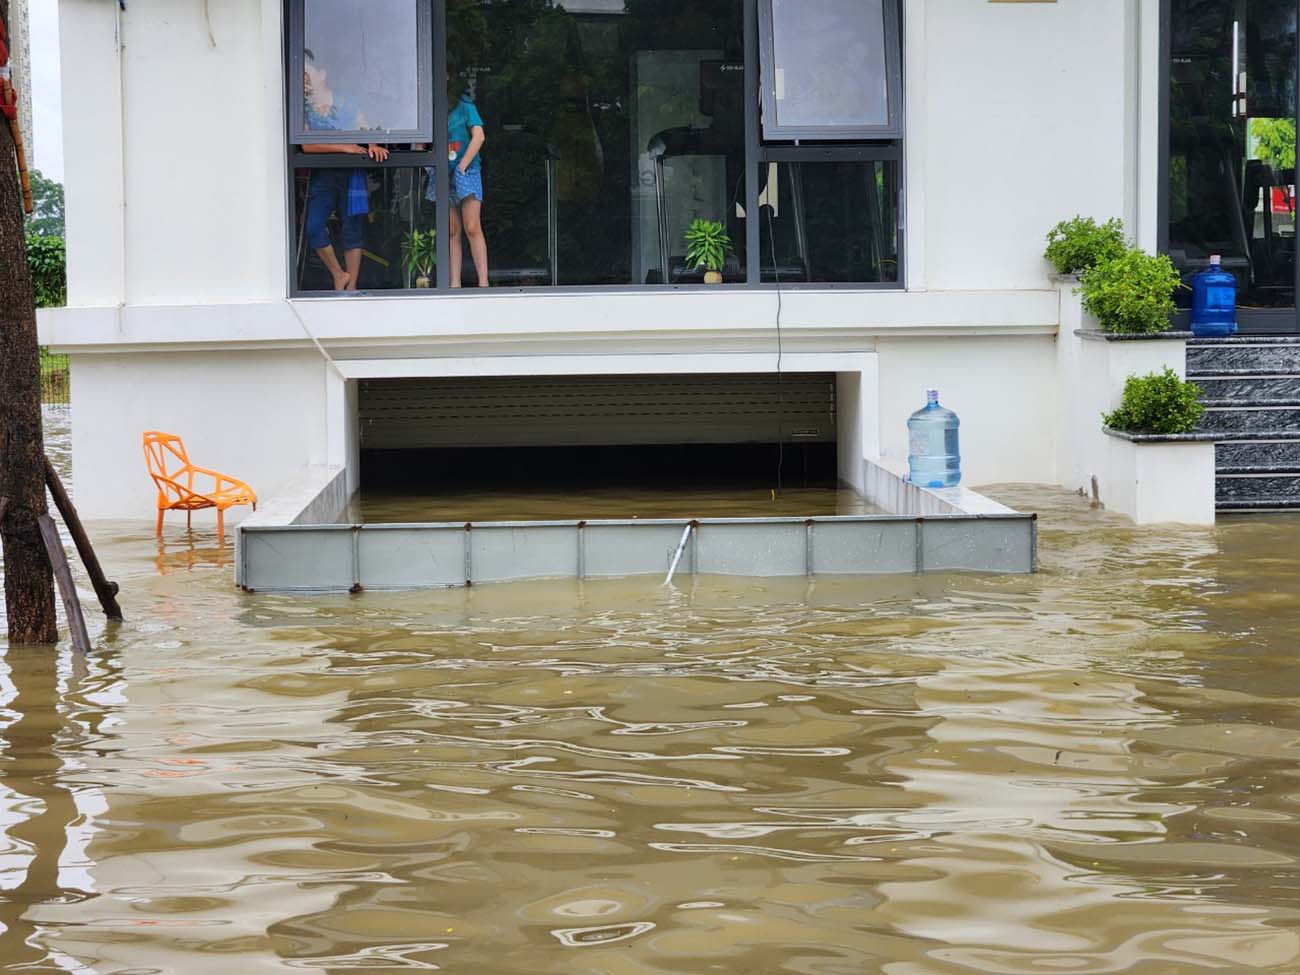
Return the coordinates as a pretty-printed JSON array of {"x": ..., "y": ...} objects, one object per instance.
[
  {"x": 352, "y": 259},
  {"x": 453, "y": 251},
  {"x": 331, "y": 262},
  {"x": 471, "y": 210}
]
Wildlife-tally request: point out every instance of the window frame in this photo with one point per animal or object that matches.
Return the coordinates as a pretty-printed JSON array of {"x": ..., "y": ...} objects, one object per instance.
[
  {"x": 772, "y": 130},
  {"x": 424, "y": 69},
  {"x": 1250, "y": 321},
  {"x": 757, "y": 150}
]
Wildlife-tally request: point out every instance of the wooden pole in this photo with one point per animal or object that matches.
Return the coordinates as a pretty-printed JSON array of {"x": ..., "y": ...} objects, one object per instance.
[
  {"x": 63, "y": 573},
  {"x": 106, "y": 590},
  {"x": 29, "y": 586}
]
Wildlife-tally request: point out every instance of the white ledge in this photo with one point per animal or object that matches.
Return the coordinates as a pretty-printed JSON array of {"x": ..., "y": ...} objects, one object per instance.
[{"x": 366, "y": 326}]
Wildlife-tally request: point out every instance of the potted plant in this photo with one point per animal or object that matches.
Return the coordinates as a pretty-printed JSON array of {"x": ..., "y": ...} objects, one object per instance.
[
  {"x": 1075, "y": 245},
  {"x": 707, "y": 246},
  {"x": 1132, "y": 293},
  {"x": 1158, "y": 467},
  {"x": 420, "y": 255}
]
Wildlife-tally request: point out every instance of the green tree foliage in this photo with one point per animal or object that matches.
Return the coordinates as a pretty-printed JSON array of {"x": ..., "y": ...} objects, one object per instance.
[
  {"x": 1131, "y": 293},
  {"x": 48, "y": 263},
  {"x": 1075, "y": 245},
  {"x": 1159, "y": 402},
  {"x": 1274, "y": 141},
  {"x": 47, "y": 219}
]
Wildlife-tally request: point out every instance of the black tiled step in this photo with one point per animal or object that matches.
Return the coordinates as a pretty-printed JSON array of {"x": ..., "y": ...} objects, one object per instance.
[
  {"x": 1203, "y": 374},
  {"x": 1257, "y": 454},
  {"x": 1264, "y": 418},
  {"x": 1198, "y": 340},
  {"x": 1257, "y": 487},
  {"x": 1214, "y": 359},
  {"x": 1276, "y": 504},
  {"x": 1253, "y": 390}
]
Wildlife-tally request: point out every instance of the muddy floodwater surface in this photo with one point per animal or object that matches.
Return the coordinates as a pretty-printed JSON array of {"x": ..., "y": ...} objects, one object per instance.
[{"x": 1090, "y": 770}]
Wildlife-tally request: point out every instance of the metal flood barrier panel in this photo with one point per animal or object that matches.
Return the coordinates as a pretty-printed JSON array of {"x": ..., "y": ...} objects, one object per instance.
[{"x": 340, "y": 558}]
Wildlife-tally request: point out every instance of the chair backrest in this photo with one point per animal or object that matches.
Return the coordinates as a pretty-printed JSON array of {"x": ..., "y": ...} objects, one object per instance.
[{"x": 159, "y": 449}]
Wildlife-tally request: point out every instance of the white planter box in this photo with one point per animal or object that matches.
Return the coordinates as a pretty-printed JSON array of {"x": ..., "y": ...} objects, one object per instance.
[
  {"x": 1156, "y": 478},
  {"x": 1093, "y": 367}
]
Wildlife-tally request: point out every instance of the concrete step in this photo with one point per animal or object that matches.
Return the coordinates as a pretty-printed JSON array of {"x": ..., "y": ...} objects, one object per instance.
[
  {"x": 1253, "y": 418},
  {"x": 1239, "y": 488}
]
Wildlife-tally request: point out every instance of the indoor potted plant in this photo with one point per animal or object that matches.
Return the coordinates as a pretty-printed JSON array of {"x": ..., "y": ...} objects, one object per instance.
[
  {"x": 420, "y": 255},
  {"x": 707, "y": 246}
]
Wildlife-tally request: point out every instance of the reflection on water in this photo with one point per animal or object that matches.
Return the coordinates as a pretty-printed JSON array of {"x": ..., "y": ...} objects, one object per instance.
[
  {"x": 569, "y": 505},
  {"x": 1089, "y": 770}
]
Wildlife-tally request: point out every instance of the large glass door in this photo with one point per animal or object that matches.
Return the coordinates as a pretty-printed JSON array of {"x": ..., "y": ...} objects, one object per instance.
[{"x": 1230, "y": 181}]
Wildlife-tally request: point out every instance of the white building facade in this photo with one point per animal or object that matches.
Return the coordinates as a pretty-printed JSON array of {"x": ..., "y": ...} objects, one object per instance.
[{"x": 196, "y": 302}]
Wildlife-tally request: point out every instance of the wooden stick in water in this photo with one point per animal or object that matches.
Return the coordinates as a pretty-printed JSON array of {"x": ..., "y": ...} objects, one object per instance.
[
  {"x": 106, "y": 590},
  {"x": 63, "y": 575}
]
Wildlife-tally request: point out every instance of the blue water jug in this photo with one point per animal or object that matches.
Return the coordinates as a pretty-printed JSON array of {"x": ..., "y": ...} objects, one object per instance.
[
  {"x": 1214, "y": 301},
  {"x": 933, "y": 457}
]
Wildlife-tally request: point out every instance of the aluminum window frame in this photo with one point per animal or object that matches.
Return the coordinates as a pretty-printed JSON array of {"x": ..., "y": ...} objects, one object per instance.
[
  {"x": 1250, "y": 321},
  {"x": 424, "y": 69},
  {"x": 876, "y": 146},
  {"x": 771, "y": 128}
]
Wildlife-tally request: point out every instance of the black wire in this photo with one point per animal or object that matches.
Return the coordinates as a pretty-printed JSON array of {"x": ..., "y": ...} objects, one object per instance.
[{"x": 780, "y": 390}]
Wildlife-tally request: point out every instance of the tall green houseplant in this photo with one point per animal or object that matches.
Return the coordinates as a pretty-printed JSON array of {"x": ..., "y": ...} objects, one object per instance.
[{"x": 707, "y": 247}]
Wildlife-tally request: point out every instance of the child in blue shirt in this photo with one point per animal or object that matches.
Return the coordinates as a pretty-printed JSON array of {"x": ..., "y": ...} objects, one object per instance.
[{"x": 465, "y": 138}]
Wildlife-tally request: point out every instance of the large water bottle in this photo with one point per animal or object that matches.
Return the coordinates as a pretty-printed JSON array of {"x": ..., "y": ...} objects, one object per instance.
[
  {"x": 1214, "y": 301},
  {"x": 933, "y": 457}
]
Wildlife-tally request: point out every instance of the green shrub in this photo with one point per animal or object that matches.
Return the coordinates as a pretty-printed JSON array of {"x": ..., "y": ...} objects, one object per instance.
[
  {"x": 708, "y": 245},
  {"x": 1131, "y": 293},
  {"x": 48, "y": 265},
  {"x": 1075, "y": 245},
  {"x": 1157, "y": 403}
]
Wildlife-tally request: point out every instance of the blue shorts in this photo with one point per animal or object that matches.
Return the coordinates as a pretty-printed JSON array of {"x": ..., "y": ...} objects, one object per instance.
[
  {"x": 465, "y": 187},
  {"x": 462, "y": 187}
]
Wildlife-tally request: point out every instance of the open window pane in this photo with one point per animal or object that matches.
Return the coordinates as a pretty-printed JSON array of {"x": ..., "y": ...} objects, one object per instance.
[
  {"x": 365, "y": 69},
  {"x": 1232, "y": 145},
  {"x": 363, "y": 223},
  {"x": 829, "y": 68},
  {"x": 829, "y": 222}
]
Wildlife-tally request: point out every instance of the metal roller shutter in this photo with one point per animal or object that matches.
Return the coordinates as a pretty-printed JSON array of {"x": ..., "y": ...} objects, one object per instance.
[{"x": 575, "y": 411}]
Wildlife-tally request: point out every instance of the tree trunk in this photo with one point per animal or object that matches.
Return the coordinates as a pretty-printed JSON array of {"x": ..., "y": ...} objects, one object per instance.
[{"x": 29, "y": 583}]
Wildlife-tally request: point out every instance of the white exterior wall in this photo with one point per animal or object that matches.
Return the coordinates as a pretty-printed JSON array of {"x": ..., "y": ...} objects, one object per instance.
[
  {"x": 1018, "y": 115},
  {"x": 260, "y": 417}
]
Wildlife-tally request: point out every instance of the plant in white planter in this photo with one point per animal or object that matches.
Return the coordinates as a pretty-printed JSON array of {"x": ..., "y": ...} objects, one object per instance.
[
  {"x": 707, "y": 246},
  {"x": 420, "y": 255},
  {"x": 1132, "y": 293},
  {"x": 1159, "y": 403},
  {"x": 1075, "y": 245}
]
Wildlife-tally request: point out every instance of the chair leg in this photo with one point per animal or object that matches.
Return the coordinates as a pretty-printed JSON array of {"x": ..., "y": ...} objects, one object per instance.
[
  {"x": 158, "y": 529},
  {"x": 189, "y": 521},
  {"x": 221, "y": 525}
]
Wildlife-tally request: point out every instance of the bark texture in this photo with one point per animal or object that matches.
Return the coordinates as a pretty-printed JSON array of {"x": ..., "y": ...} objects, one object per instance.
[{"x": 29, "y": 582}]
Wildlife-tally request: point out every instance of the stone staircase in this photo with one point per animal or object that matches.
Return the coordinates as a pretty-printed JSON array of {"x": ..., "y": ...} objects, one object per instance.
[{"x": 1252, "y": 398}]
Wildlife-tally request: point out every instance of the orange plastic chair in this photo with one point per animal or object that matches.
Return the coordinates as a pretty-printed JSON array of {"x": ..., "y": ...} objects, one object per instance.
[{"x": 177, "y": 489}]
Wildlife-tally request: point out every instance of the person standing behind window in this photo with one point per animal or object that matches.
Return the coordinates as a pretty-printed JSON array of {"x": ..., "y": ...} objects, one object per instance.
[
  {"x": 330, "y": 190},
  {"x": 465, "y": 137}
]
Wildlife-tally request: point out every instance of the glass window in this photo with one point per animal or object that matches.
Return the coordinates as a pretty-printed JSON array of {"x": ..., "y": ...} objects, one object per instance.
[
  {"x": 610, "y": 126},
  {"x": 830, "y": 222},
  {"x": 830, "y": 68},
  {"x": 365, "y": 70},
  {"x": 363, "y": 229},
  {"x": 1232, "y": 145}
]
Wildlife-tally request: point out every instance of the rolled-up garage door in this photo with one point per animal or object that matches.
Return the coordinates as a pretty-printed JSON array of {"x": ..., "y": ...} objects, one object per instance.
[{"x": 596, "y": 410}]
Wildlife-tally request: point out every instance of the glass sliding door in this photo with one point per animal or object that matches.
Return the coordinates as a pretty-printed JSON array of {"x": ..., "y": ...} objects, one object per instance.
[{"x": 1230, "y": 178}]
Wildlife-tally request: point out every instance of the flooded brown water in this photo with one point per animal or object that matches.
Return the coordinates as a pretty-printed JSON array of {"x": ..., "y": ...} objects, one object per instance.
[
  {"x": 746, "y": 501},
  {"x": 1089, "y": 770}
]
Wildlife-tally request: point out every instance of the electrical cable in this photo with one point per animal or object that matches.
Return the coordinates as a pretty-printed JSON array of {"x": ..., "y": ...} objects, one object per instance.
[{"x": 780, "y": 390}]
